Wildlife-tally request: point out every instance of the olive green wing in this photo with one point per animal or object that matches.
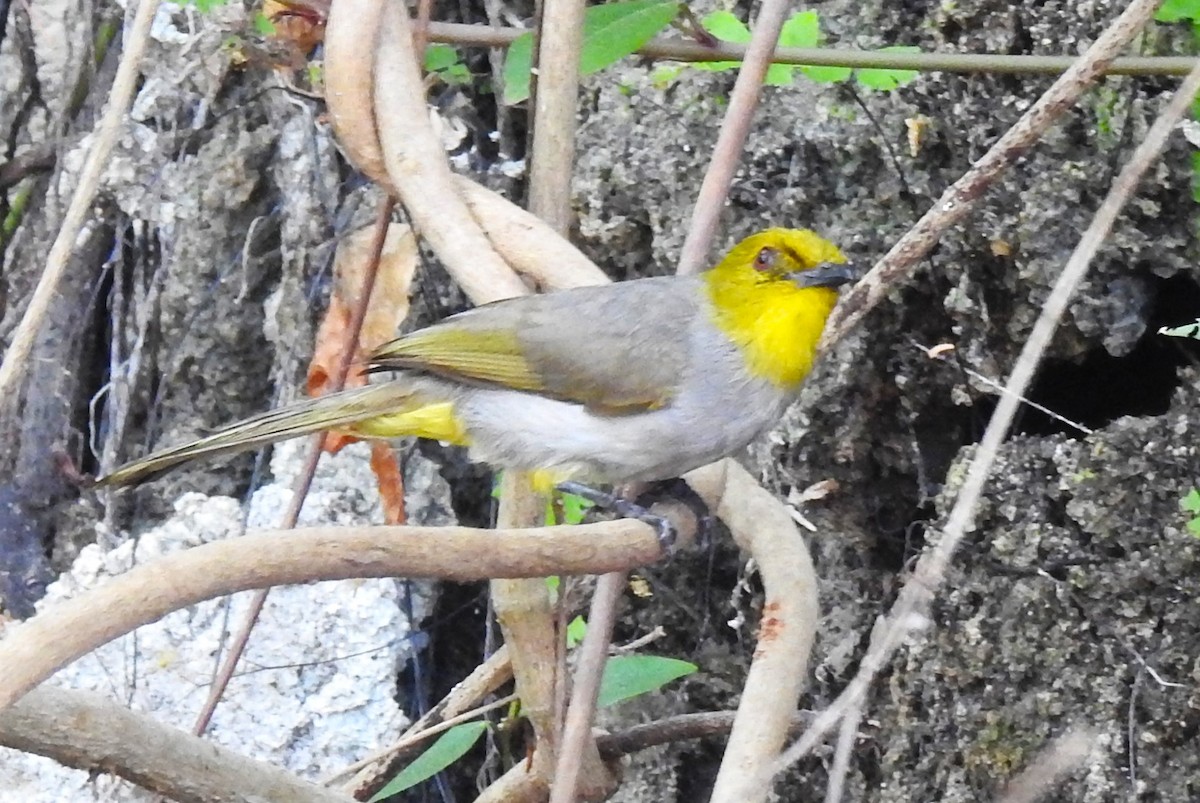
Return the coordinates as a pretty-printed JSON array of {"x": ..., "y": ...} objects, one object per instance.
[{"x": 617, "y": 348}]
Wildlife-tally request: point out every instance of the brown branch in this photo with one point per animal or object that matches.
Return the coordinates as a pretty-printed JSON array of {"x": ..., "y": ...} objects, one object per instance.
[
  {"x": 676, "y": 49},
  {"x": 12, "y": 368},
  {"x": 578, "y": 746},
  {"x": 762, "y": 526},
  {"x": 90, "y": 732},
  {"x": 679, "y": 729},
  {"x": 552, "y": 153},
  {"x": 731, "y": 140},
  {"x": 910, "y": 609},
  {"x": 34, "y": 649},
  {"x": 371, "y": 773}
]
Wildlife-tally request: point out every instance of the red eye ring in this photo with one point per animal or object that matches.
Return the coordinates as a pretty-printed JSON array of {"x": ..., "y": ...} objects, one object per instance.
[{"x": 765, "y": 259}]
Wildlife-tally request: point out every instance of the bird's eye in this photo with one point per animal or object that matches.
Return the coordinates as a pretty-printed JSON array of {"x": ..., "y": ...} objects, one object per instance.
[{"x": 765, "y": 259}]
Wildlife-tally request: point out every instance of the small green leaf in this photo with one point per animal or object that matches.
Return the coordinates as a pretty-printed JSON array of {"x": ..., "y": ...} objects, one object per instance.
[
  {"x": 1191, "y": 502},
  {"x": 628, "y": 676},
  {"x": 205, "y": 6},
  {"x": 1193, "y": 526},
  {"x": 803, "y": 29},
  {"x": 728, "y": 28},
  {"x": 826, "y": 75},
  {"x": 452, "y": 746},
  {"x": 517, "y": 64},
  {"x": 439, "y": 57},
  {"x": 263, "y": 24},
  {"x": 456, "y": 74},
  {"x": 1190, "y": 330},
  {"x": 663, "y": 75},
  {"x": 574, "y": 508},
  {"x": 576, "y": 631},
  {"x": 1176, "y": 10},
  {"x": 610, "y": 32},
  {"x": 614, "y": 30},
  {"x": 1196, "y": 176},
  {"x": 887, "y": 80}
]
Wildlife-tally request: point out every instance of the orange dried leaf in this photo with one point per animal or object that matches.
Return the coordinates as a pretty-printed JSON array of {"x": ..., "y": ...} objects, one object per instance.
[
  {"x": 391, "y": 483},
  {"x": 387, "y": 308}
]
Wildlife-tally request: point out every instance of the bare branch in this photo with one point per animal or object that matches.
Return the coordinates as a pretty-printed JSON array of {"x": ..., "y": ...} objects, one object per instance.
[
  {"x": 90, "y": 732},
  {"x": 34, "y": 649},
  {"x": 732, "y": 138}
]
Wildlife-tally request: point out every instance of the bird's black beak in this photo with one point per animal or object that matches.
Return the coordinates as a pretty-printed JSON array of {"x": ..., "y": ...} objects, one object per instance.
[{"x": 827, "y": 274}]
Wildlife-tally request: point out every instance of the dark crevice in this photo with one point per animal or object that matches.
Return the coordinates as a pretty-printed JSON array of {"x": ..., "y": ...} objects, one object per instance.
[{"x": 1101, "y": 388}]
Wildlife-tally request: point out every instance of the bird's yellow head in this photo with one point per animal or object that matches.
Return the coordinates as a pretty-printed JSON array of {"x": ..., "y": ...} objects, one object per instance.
[{"x": 772, "y": 294}]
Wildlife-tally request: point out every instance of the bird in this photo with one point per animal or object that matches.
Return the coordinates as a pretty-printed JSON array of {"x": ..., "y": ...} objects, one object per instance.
[{"x": 636, "y": 381}]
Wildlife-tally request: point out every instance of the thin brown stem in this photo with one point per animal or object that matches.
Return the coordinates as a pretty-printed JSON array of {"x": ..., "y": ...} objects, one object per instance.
[
  {"x": 676, "y": 49},
  {"x": 304, "y": 479},
  {"x": 731, "y": 140}
]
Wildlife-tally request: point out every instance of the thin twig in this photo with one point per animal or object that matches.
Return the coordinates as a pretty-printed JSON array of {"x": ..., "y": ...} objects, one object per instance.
[
  {"x": 731, "y": 140},
  {"x": 589, "y": 668},
  {"x": 12, "y": 369},
  {"x": 676, "y": 49},
  {"x": 678, "y": 729},
  {"x": 303, "y": 481},
  {"x": 909, "y": 611},
  {"x": 372, "y": 772}
]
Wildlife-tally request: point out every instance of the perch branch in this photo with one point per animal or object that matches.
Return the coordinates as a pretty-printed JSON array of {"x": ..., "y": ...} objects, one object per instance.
[{"x": 34, "y": 649}]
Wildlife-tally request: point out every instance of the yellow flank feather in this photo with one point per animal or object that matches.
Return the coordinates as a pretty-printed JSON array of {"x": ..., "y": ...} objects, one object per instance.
[
  {"x": 436, "y": 421},
  {"x": 775, "y": 322},
  {"x": 487, "y": 355}
]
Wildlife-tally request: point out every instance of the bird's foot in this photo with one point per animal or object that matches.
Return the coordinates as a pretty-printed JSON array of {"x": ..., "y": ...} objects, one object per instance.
[{"x": 640, "y": 509}]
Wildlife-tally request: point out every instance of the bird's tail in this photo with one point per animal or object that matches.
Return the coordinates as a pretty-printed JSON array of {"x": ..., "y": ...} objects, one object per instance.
[{"x": 340, "y": 410}]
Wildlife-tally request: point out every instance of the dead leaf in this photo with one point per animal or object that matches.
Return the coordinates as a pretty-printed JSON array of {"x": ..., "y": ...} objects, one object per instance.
[
  {"x": 387, "y": 309},
  {"x": 391, "y": 483}
]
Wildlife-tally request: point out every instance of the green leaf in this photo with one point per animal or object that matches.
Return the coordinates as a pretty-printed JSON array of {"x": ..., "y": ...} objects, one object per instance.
[
  {"x": 517, "y": 64},
  {"x": 614, "y": 30},
  {"x": 452, "y": 745},
  {"x": 887, "y": 80},
  {"x": 826, "y": 75},
  {"x": 1191, "y": 502},
  {"x": 728, "y": 28},
  {"x": 1193, "y": 526},
  {"x": 205, "y": 6},
  {"x": 1189, "y": 330},
  {"x": 456, "y": 74},
  {"x": 440, "y": 57},
  {"x": 610, "y": 32},
  {"x": 263, "y": 24},
  {"x": 574, "y": 508},
  {"x": 1196, "y": 176},
  {"x": 628, "y": 676},
  {"x": 576, "y": 630},
  {"x": 1176, "y": 10},
  {"x": 803, "y": 29}
]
